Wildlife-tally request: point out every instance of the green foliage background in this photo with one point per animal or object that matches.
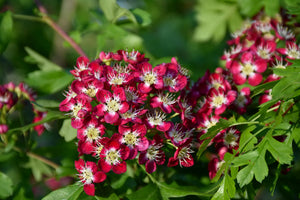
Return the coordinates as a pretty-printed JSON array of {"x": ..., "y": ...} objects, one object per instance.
[{"x": 194, "y": 31}]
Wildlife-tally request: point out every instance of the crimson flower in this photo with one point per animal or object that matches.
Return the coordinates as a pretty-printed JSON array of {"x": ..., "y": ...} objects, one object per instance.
[{"x": 89, "y": 174}]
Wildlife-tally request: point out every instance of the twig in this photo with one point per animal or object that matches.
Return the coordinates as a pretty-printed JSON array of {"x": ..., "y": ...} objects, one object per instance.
[
  {"x": 38, "y": 157},
  {"x": 57, "y": 28}
]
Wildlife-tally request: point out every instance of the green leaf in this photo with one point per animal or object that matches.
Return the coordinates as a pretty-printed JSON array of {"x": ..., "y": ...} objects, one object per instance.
[
  {"x": 112, "y": 196},
  {"x": 280, "y": 151},
  {"x": 70, "y": 192},
  {"x": 222, "y": 13},
  {"x": 257, "y": 166},
  {"x": 113, "y": 12},
  {"x": 6, "y": 186},
  {"x": 296, "y": 136},
  {"x": 211, "y": 133},
  {"x": 263, "y": 87},
  {"x": 142, "y": 16},
  {"x": 46, "y": 103},
  {"x": 51, "y": 78},
  {"x": 51, "y": 115},
  {"x": 149, "y": 192},
  {"x": 245, "y": 159},
  {"x": 49, "y": 81},
  {"x": 288, "y": 87},
  {"x": 226, "y": 190},
  {"x": 247, "y": 140},
  {"x": 67, "y": 131},
  {"x": 174, "y": 190},
  {"x": 38, "y": 168},
  {"x": 271, "y": 7},
  {"x": 42, "y": 62},
  {"x": 250, "y": 7},
  {"x": 6, "y": 26},
  {"x": 21, "y": 195}
]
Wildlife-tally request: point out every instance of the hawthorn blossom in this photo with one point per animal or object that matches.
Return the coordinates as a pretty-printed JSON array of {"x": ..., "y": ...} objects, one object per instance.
[
  {"x": 88, "y": 175},
  {"x": 154, "y": 155},
  {"x": 250, "y": 68},
  {"x": 113, "y": 156},
  {"x": 111, "y": 104}
]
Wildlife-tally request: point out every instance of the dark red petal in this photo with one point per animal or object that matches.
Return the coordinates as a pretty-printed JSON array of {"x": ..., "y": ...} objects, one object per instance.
[
  {"x": 143, "y": 144},
  {"x": 235, "y": 68},
  {"x": 239, "y": 79},
  {"x": 160, "y": 69},
  {"x": 164, "y": 127},
  {"x": 255, "y": 79},
  {"x": 119, "y": 92},
  {"x": 261, "y": 65},
  {"x": 79, "y": 165},
  {"x": 77, "y": 123},
  {"x": 120, "y": 168},
  {"x": 99, "y": 177},
  {"x": 247, "y": 57},
  {"x": 104, "y": 166},
  {"x": 111, "y": 117},
  {"x": 187, "y": 162},
  {"x": 150, "y": 166},
  {"x": 172, "y": 162},
  {"x": 89, "y": 189},
  {"x": 124, "y": 107},
  {"x": 143, "y": 157}
]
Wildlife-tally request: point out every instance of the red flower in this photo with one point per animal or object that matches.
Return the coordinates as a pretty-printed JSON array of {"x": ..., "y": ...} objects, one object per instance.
[
  {"x": 249, "y": 69},
  {"x": 153, "y": 155},
  {"x": 89, "y": 174},
  {"x": 111, "y": 104},
  {"x": 113, "y": 157}
]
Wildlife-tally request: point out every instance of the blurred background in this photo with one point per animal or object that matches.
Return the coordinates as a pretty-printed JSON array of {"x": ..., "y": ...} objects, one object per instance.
[
  {"x": 193, "y": 31},
  {"x": 164, "y": 29}
]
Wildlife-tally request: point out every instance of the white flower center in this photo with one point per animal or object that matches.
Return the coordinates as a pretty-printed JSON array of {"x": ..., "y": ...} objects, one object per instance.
[
  {"x": 76, "y": 109},
  {"x": 92, "y": 133},
  {"x": 113, "y": 105},
  {"x": 113, "y": 157},
  {"x": 130, "y": 139},
  {"x": 87, "y": 176},
  {"x": 218, "y": 101},
  {"x": 247, "y": 69},
  {"x": 149, "y": 78},
  {"x": 230, "y": 138}
]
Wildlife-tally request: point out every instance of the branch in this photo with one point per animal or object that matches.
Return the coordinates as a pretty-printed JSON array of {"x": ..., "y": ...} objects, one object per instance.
[{"x": 57, "y": 28}]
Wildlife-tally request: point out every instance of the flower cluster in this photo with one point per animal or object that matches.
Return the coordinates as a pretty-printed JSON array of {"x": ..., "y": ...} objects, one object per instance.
[
  {"x": 12, "y": 95},
  {"x": 124, "y": 108},
  {"x": 261, "y": 46}
]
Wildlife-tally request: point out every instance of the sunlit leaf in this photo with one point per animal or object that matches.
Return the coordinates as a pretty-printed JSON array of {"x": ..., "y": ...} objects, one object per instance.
[
  {"x": 67, "y": 131},
  {"x": 6, "y": 186}
]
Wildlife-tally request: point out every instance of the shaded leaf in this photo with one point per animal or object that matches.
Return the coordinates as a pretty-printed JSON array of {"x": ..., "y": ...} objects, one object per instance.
[
  {"x": 149, "y": 192},
  {"x": 142, "y": 16},
  {"x": 113, "y": 12},
  {"x": 38, "y": 168},
  {"x": 6, "y": 26},
  {"x": 70, "y": 192}
]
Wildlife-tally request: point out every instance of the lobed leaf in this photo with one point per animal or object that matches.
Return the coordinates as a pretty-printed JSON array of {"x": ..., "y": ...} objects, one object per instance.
[{"x": 67, "y": 131}]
